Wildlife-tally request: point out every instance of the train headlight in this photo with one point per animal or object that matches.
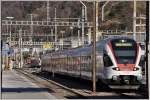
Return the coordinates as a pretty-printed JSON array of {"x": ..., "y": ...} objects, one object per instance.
[
  {"x": 116, "y": 68},
  {"x": 115, "y": 78},
  {"x": 135, "y": 68},
  {"x": 139, "y": 78}
]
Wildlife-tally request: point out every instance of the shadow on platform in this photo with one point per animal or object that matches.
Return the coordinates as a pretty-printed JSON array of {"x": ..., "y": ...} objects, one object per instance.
[{"x": 28, "y": 89}]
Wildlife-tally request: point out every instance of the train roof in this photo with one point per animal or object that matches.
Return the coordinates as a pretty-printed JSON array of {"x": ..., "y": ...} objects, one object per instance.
[
  {"x": 113, "y": 38},
  {"x": 84, "y": 50}
]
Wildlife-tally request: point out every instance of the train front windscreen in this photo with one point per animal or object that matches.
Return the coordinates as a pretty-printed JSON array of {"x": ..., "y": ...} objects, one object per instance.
[{"x": 125, "y": 51}]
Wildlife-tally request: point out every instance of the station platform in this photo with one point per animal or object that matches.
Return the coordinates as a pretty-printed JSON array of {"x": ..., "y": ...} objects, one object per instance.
[{"x": 17, "y": 86}]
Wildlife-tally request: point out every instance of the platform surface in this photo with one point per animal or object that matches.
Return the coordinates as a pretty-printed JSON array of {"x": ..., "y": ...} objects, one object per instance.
[{"x": 16, "y": 86}]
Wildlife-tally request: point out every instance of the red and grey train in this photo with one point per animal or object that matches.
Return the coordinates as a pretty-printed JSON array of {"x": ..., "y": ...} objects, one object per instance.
[{"x": 118, "y": 62}]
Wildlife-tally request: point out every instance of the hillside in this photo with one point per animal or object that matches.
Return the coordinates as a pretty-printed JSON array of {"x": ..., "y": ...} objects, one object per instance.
[{"x": 118, "y": 15}]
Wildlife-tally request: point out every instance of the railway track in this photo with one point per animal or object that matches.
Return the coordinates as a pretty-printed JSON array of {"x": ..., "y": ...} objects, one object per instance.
[
  {"x": 60, "y": 91},
  {"x": 74, "y": 89}
]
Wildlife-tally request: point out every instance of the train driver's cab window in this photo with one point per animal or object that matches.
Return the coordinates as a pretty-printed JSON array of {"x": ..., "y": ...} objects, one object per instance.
[{"x": 107, "y": 60}]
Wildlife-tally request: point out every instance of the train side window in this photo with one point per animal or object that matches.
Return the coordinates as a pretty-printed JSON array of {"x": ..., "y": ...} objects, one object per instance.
[
  {"x": 107, "y": 60},
  {"x": 99, "y": 49}
]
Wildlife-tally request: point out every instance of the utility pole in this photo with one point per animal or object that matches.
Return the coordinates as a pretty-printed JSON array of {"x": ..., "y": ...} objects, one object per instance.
[
  {"x": 62, "y": 36},
  {"x": 134, "y": 19},
  {"x": 83, "y": 19},
  {"x": 52, "y": 34},
  {"x": 147, "y": 49},
  {"x": 55, "y": 29},
  {"x": 78, "y": 32},
  {"x": 94, "y": 48},
  {"x": 97, "y": 21},
  {"x": 0, "y": 61},
  {"x": 10, "y": 18},
  {"x": 31, "y": 27},
  {"x": 10, "y": 36},
  {"x": 48, "y": 18},
  {"x": 20, "y": 48},
  {"x": 71, "y": 37},
  {"x": 89, "y": 36},
  {"x": 7, "y": 29}
]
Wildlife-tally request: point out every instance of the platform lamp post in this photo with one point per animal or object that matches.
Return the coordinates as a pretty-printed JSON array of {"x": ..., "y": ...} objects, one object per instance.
[
  {"x": 84, "y": 18},
  {"x": 103, "y": 9},
  {"x": 85, "y": 10},
  {"x": 10, "y": 18}
]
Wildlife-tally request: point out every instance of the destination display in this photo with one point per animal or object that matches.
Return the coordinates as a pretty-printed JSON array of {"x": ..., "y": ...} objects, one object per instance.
[{"x": 123, "y": 44}]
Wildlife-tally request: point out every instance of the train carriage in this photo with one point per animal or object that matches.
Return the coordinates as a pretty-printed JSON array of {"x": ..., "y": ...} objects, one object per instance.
[{"x": 117, "y": 62}]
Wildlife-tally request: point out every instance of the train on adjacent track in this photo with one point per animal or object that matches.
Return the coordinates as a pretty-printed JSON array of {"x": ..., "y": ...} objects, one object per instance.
[{"x": 118, "y": 62}]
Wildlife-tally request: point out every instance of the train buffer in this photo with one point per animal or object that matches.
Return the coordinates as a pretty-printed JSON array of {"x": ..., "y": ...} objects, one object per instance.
[{"x": 17, "y": 86}]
